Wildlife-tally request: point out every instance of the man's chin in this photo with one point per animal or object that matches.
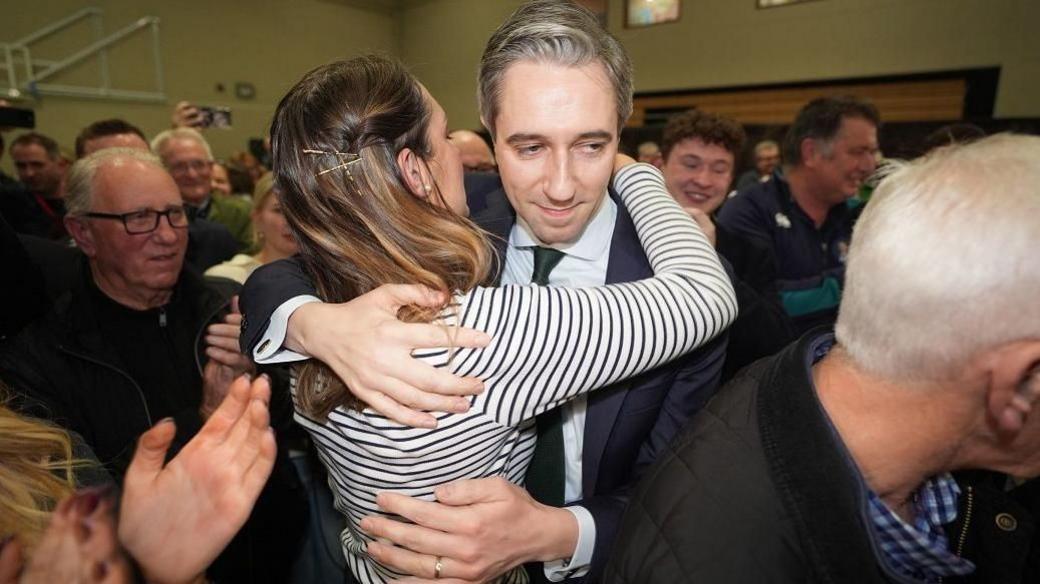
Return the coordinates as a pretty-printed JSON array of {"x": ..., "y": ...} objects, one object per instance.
[
  {"x": 553, "y": 235},
  {"x": 194, "y": 197}
]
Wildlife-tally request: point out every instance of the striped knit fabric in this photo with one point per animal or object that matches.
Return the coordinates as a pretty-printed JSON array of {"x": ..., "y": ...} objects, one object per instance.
[{"x": 549, "y": 345}]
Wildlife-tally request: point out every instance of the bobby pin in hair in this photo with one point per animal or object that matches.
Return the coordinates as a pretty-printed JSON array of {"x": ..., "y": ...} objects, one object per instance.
[{"x": 346, "y": 159}]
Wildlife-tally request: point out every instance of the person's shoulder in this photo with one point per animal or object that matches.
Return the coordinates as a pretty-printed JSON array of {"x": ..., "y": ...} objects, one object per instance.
[
  {"x": 478, "y": 186},
  {"x": 40, "y": 337},
  {"x": 758, "y": 194},
  {"x": 494, "y": 214},
  {"x": 236, "y": 205},
  {"x": 708, "y": 495},
  {"x": 237, "y": 268},
  {"x": 751, "y": 206},
  {"x": 206, "y": 290}
]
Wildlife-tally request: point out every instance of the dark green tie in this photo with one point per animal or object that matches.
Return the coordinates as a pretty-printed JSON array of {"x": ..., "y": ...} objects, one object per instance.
[
  {"x": 545, "y": 259},
  {"x": 545, "y": 476}
]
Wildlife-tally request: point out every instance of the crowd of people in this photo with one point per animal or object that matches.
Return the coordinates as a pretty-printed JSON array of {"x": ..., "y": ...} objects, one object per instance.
[{"x": 394, "y": 351}]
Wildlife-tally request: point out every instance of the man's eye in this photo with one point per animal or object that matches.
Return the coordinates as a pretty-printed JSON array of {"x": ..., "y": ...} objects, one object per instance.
[
  {"x": 593, "y": 147},
  {"x": 529, "y": 150}
]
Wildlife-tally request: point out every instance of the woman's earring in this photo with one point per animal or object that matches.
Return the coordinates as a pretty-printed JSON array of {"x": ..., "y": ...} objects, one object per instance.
[{"x": 428, "y": 188}]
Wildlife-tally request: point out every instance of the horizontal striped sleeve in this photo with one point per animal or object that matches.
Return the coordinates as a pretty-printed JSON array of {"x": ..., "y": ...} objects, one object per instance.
[{"x": 550, "y": 344}]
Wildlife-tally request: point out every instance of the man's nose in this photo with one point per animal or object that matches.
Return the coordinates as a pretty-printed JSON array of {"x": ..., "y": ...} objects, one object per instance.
[
  {"x": 165, "y": 232},
  {"x": 701, "y": 176},
  {"x": 869, "y": 163},
  {"x": 559, "y": 178}
]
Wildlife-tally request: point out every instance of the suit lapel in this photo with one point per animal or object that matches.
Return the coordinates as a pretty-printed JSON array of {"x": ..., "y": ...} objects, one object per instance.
[{"x": 627, "y": 263}]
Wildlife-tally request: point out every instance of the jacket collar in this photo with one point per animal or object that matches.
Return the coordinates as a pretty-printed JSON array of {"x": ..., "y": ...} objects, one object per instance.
[
  {"x": 811, "y": 471},
  {"x": 627, "y": 261}
]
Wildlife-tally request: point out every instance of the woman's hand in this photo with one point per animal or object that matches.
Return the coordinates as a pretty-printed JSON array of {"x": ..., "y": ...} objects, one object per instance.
[
  {"x": 176, "y": 519},
  {"x": 364, "y": 343},
  {"x": 79, "y": 545}
]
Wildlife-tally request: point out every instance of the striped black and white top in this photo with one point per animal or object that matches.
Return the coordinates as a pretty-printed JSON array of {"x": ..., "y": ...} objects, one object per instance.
[{"x": 549, "y": 345}]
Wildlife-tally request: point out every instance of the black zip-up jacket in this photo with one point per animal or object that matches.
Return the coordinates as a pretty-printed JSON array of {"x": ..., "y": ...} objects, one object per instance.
[
  {"x": 60, "y": 368},
  {"x": 757, "y": 489}
]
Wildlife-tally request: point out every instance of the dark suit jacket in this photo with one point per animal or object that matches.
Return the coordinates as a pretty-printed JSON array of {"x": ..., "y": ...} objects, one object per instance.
[{"x": 626, "y": 426}]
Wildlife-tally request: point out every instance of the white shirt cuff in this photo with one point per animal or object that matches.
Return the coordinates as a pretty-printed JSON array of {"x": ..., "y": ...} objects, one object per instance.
[
  {"x": 269, "y": 349},
  {"x": 578, "y": 564}
]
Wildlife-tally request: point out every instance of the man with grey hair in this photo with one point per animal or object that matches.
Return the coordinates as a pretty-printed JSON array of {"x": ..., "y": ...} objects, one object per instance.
[
  {"x": 187, "y": 156},
  {"x": 767, "y": 160},
  {"x": 555, "y": 91},
  {"x": 650, "y": 153},
  {"x": 131, "y": 343},
  {"x": 832, "y": 461},
  {"x": 131, "y": 322}
]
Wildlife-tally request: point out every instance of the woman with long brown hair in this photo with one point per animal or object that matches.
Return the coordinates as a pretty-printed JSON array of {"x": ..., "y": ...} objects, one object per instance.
[{"x": 373, "y": 190}]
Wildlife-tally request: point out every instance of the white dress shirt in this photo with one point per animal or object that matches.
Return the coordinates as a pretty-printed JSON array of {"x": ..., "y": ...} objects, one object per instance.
[{"x": 584, "y": 265}]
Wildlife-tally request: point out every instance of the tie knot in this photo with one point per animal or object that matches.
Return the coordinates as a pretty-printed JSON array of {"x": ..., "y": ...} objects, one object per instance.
[{"x": 545, "y": 259}]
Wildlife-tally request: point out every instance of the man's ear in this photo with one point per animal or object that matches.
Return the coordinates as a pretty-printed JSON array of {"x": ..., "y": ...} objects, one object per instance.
[
  {"x": 80, "y": 232},
  {"x": 811, "y": 149},
  {"x": 1014, "y": 378},
  {"x": 416, "y": 176}
]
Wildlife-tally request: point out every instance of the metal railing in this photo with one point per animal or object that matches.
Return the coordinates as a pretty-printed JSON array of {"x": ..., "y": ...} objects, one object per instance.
[{"x": 37, "y": 71}]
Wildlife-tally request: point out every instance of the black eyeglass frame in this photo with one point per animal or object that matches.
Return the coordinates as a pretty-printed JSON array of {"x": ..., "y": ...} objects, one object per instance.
[{"x": 157, "y": 215}]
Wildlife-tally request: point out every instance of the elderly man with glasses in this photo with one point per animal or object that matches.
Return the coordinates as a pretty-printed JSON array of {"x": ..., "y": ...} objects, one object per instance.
[
  {"x": 188, "y": 158},
  {"x": 127, "y": 346}
]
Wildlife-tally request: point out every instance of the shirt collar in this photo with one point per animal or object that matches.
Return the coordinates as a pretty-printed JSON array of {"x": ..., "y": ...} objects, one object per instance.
[
  {"x": 200, "y": 211},
  {"x": 920, "y": 549},
  {"x": 590, "y": 245}
]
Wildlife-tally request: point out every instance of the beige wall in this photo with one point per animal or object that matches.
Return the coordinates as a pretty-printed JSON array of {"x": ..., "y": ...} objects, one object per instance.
[
  {"x": 729, "y": 42},
  {"x": 717, "y": 43},
  {"x": 442, "y": 41},
  {"x": 720, "y": 43},
  {"x": 269, "y": 43}
]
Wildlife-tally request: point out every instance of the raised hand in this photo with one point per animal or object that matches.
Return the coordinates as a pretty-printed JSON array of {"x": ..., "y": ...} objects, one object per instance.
[
  {"x": 186, "y": 115},
  {"x": 176, "y": 519}
]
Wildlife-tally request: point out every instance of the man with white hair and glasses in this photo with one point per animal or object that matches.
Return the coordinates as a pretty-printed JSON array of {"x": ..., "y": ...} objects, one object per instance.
[
  {"x": 187, "y": 156},
  {"x": 127, "y": 346},
  {"x": 832, "y": 461}
]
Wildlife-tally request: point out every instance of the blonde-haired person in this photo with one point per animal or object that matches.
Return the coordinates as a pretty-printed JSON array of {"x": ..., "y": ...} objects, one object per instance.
[
  {"x": 271, "y": 233},
  {"x": 37, "y": 469},
  {"x": 174, "y": 518},
  {"x": 372, "y": 187}
]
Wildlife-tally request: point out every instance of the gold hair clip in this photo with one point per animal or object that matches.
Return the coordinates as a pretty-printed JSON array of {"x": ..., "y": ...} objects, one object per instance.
[{"x": 346, "y": 159}]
